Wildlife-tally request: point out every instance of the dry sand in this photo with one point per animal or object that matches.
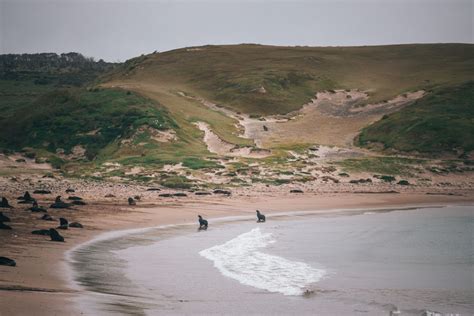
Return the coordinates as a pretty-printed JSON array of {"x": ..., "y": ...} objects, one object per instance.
[{"x": 40, "y": 282}]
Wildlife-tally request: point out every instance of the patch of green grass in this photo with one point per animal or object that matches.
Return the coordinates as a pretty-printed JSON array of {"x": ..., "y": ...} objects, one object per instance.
[
  {"x": 197, "y": 163},
  {"x": 176, "y": 182},
  {"x": 383, "y": 165},
  {"x": 443, "y": 121}
]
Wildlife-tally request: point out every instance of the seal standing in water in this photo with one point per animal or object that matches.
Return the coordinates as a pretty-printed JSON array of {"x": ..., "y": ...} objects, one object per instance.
[
  {"x": 202, "y": 223},
  {"x": 260, "y": 217}
]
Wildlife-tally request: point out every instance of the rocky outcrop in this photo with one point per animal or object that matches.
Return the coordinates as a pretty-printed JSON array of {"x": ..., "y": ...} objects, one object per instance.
[{"x": 220, "y": 191}]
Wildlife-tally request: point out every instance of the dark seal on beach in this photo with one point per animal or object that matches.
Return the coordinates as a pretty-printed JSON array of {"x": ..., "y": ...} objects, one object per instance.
[
  {"x": 4, "y": 218},
  {"x": 4, "y": 203},
  {"x": 76, "y": 225},
  {"x": 260, "y": 217},
  {"x": 202, "y": 223},
  {"x": 42, "y": 232},
  {"x": 59, "y": 204},
  {"x": 55, "y": 236},
  {"x": 4, "y": 226},
  {"x": 4, "y": 261}
]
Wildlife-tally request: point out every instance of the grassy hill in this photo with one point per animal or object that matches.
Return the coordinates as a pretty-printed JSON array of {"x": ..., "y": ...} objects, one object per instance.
[
  {"x": 290, "y": 76},
  {"x": 92, "y": 119},
  {"x": 142, "y": 113},
  {"x": 441, "y": 122}
]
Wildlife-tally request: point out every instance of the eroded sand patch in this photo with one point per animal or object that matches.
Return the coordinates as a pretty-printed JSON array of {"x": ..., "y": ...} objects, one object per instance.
[{"x": 218, "y": 146}]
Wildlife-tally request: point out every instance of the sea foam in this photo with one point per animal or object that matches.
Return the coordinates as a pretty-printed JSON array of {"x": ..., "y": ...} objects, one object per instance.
[{"x": 240, "y": 259}]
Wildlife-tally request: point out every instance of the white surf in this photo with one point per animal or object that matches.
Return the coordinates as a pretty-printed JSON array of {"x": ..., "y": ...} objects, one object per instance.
[{"x": 240, "y": 259}]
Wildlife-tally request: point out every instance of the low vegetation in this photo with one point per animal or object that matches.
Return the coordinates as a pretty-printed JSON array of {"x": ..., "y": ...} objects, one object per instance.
[
  {"x": 443, "y": 121},
  {"x": 92, "y": 119},
  {"x": 262, "y": 80}
]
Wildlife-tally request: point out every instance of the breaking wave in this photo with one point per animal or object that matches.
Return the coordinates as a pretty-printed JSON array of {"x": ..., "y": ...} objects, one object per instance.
[{"x": 240, "y": 259}]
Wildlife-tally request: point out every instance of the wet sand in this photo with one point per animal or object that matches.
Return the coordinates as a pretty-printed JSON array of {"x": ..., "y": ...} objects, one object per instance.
[{"x": 41, "y": 280}]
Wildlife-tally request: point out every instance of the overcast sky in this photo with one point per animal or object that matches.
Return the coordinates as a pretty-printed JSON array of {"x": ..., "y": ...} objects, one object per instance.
[{"x": 119, "y": 29}]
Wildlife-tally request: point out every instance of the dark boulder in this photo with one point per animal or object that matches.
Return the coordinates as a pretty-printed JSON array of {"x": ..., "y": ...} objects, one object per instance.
[
  {"x": 4, "y": 261},
  {"x": 63, "y": 223},
  {"x": 74, "y": 198},
  {"x": 42, "y": 192},
  {"x": 165, "y": 195},
  {"x": 76, "y": 225},
  {"x": 4, "y": 218},
  {"x": 131, "y": 201},
  {"x": 180, "y": 194},
  {"x": 296, "y": 191},
  {"x": 70, "y": 190},
  {"x": 42, "y": 232},
  {"x": 4, "y": 226},
  {"x": 5, "y": 204},
  {"x": 219, "y": 191},
  {"x": 368, "y": 180},
  {"x": 47, "y": 217},
  {"x": 78, "y": 203},
  {"x": 202, "y": 193},
  {"x": 55, "y": 236},
  {"x": 153, "y": 189},
  {"x": 329, "y": 178},
  {"x": 403, "y": 182}
]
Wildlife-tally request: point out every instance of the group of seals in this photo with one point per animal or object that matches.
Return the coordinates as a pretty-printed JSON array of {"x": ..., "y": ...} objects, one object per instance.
[{"x": 203, "y": 224}]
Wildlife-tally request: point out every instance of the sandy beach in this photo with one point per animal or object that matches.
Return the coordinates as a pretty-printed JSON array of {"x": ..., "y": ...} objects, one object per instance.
[{"x": 41, "y": 281}]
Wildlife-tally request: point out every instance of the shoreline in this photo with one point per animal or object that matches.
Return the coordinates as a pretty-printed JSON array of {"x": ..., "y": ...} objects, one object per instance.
[{"x": 46, "y": 280}]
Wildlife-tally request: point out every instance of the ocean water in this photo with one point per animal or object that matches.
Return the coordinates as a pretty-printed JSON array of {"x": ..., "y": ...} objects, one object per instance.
[{"x": 368, "y": 262}]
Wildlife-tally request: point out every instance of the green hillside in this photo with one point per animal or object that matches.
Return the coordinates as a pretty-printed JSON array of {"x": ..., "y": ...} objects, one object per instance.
[
  {"x": 443, "y": 121},
  {"x": 290, "y": 76},
  {"x": 92, "y": 119},
  {"x": 71, "y": 109}
]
